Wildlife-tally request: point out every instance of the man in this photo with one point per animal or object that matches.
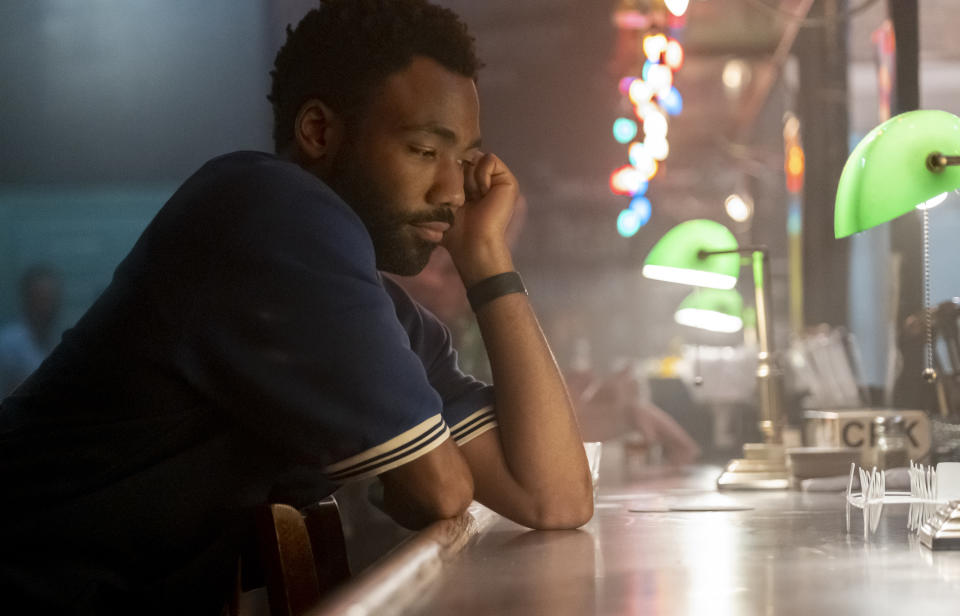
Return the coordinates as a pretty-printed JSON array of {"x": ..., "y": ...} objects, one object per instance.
[
  {"x": 26, "y": 342},
  {"x": 248, "y": 347}
]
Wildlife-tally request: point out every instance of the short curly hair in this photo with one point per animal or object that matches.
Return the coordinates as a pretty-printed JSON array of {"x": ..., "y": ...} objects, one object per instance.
[{"x": 342, "y": 50}]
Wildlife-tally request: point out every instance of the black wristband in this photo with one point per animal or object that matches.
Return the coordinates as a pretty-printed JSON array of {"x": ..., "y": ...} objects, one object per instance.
[{"x": 493, "y": 287}]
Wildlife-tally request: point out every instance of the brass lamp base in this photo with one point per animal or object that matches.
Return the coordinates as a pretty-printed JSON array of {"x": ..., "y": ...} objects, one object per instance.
[{"x": 763, "y": 467}]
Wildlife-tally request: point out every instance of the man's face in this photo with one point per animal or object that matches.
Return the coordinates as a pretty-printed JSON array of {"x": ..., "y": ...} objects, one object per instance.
[{"x": 401, "y": 167}]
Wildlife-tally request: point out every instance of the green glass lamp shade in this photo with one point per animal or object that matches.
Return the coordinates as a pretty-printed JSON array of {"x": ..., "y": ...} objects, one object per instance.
[
  {"x": 887, "y": 175},
  {"x": 676, "y": 257},
  {"x": 716, "y": 310}
]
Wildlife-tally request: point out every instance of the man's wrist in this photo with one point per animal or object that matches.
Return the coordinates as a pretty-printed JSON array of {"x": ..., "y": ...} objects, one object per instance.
[
  {"x": 494, "y": 287},
  {"x": 482, "y": 263}
]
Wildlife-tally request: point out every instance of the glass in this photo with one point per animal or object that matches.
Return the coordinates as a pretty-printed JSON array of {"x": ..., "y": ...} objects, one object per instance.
[
  {"x": 891, "y": 444},
  {"x": 593, "y": 450},
  {"x": 946, "y": 440}
]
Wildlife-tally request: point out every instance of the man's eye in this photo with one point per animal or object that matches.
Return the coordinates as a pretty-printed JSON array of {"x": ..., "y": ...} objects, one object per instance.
[{"x": 423, "y": 152}]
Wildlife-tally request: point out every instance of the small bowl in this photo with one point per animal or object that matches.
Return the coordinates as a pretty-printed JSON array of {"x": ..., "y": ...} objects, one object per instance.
[{"x": 809, "y": 462}]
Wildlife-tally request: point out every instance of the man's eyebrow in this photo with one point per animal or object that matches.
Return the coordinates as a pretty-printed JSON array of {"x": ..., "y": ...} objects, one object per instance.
[{"x": 443, "y": 132}]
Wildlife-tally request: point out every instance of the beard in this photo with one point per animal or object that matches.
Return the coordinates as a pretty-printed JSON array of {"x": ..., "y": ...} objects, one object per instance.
[{"x": 398, "y": 249}]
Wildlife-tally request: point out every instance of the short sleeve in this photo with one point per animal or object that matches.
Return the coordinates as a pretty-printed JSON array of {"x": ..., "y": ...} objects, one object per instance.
[
  {"x": 294, "y": 337},
  {"x": 467, "y": 403}
]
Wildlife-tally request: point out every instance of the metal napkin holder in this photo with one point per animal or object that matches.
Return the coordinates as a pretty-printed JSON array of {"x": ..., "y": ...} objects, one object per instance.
[{"x": 942, "y": 530}]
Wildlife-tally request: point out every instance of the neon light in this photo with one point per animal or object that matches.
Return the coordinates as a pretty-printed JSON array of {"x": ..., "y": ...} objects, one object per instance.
[
  {"x": 795, "y": 160},
  {"x": 624, "y": 85}
]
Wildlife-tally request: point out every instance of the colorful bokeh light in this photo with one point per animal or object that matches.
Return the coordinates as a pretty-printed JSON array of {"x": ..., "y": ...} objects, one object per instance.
[
  {"x": 624, "y": 129},
  {"x": 653, "y": 46},
  {"x": 671, "y": 102},
  {"x": 640, "y": 92},
  {"x": 627, "y": 180},
  {"x": 628, "y": 223},
  {"x": 655, "y": 125},
  {"x": 641, "y": 205},
  {"x": 677, "y": 7},
  {"x": 660, "y": 78},
  {"x": 673, "y": 56},
  {"x": 658, "y": 148},
  {"x": 641, "y": 160}
]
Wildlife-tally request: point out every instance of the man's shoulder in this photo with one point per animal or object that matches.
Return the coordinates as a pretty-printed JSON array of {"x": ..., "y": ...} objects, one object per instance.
[
  {"x": 264, "y": 171},
  {"x": 260, "y": 191}
]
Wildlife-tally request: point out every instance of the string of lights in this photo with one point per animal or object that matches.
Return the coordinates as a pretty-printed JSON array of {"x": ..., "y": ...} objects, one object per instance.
[{"x": 648, "y": 98}]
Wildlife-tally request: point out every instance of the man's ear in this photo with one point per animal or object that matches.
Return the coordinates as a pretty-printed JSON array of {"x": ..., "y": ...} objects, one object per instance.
[{"x": 317, "y": 131}]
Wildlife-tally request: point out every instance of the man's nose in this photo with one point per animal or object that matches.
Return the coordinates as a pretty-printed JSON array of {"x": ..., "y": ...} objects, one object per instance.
[{"x": 447, "y": 189}]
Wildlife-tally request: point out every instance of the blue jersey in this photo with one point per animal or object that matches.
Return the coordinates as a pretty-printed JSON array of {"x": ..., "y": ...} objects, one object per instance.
[{"x": 247, "y": 348}]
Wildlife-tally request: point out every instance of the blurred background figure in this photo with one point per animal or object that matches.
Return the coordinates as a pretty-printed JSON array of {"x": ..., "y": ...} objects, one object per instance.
[
  {"x": 25, "y": 342},
  {"x": 618, "y": 405}
]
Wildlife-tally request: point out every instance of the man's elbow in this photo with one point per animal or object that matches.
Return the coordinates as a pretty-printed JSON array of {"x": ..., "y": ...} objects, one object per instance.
[
  {"x": 563, "y": 514},
  {"x": 452, "y": 500}
]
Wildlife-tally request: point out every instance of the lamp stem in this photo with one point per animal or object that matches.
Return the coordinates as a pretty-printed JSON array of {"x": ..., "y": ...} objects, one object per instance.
[
  {"x": 937, "y": 162},
  {"x": 769, "y": 375}
]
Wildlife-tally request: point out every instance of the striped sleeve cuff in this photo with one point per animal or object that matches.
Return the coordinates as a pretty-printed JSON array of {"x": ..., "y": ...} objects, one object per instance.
[
  {"x": 474, "y": 425},
  {"x": 399, "y": 450}
]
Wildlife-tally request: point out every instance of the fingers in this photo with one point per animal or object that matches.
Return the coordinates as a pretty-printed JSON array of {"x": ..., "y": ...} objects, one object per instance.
[
  {"x": 481, "y": 176},
  {"x": 470, "y": 186},
  {"x": 485, "y": 168}
]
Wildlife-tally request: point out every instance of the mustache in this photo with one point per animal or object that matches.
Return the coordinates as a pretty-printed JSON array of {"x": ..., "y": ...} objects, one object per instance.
[{"x": 442, "y": 214}]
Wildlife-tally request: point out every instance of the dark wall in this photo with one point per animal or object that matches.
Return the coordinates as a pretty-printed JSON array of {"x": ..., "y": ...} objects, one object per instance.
[
  {"x": 106, "y": 107},
  {"x": 133, "y": 91}
]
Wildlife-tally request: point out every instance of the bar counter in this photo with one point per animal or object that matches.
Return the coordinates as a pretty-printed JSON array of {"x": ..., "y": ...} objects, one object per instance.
[{"x": 787, "y": 552}]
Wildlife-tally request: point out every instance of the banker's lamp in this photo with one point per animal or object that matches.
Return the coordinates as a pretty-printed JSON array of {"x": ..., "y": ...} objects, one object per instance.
[
  {"x": 704, "y": 253},
  {"x": 909, "y": 162},
  {"x": 715, "y": 310}
]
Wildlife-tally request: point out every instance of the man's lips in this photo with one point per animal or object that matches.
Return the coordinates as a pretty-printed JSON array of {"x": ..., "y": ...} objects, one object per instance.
[{"x": 431, "y": 231}]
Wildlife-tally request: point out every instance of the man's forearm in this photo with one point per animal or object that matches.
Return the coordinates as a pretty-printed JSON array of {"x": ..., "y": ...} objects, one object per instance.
[
  {"x": 532, "y": 469},
  {"x": 541, "y": 443}
]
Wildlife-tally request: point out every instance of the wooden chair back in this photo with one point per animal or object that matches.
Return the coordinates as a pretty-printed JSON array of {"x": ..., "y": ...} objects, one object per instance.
[{"x": 303, "y": 554}]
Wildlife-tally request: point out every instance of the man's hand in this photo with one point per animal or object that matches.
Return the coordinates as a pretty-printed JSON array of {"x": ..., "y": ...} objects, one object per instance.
[
  {"x": 477, "y": 241},
  {"x": 533, "y": 468}
]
